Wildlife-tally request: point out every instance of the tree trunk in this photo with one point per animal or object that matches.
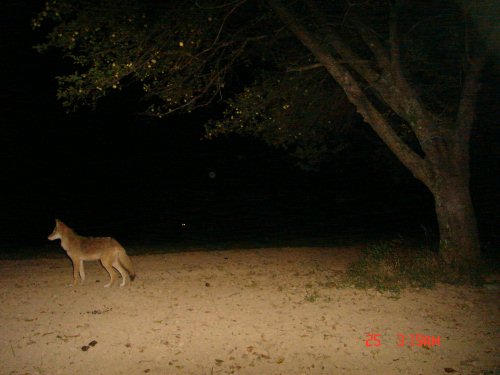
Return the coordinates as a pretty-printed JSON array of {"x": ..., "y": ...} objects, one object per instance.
[{"x": 458, "y": 234}]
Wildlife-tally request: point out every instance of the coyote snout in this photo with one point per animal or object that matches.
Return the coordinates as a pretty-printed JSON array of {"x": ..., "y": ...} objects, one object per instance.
[{"x": 106, "y": 249}]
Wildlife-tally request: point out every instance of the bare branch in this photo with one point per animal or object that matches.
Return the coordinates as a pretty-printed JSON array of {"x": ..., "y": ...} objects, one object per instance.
[
  {"x": 225, "y": 18},
  {"x": 304, "y": 68},
  {"x": 319, "y": 65},
  {"x": 394, "y": 43},
  {"x": 197, "y": 3}
]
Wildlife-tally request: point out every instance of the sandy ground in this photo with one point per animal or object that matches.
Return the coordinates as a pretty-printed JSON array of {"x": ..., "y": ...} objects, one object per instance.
[{"x": 265, "y": 311}]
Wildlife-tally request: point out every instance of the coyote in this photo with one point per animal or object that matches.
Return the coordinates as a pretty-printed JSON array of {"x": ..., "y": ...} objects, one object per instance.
[{"x": 106, "y": 249}]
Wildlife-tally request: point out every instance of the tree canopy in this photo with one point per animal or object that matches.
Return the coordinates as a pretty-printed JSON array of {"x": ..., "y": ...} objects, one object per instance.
[{"x": 185, "y": 55}]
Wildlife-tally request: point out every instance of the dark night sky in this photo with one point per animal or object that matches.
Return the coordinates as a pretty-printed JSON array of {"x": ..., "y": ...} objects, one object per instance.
[{"x": 111, "y": 172}]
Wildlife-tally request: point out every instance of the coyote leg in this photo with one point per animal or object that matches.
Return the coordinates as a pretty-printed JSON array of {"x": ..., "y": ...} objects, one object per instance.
[
  {"x": 122, "y": 271},
  {"x": 107, "y": 264},
  {"x": 76, "y": 270},
  {"x": 82, "y": 271}
]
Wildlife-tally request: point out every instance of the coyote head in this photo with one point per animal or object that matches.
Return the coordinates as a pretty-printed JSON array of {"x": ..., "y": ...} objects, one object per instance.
[{"x": 57, "y": 232}]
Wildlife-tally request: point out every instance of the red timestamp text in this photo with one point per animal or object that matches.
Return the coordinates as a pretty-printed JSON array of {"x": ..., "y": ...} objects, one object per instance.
[{"x": 375, "y": 339}]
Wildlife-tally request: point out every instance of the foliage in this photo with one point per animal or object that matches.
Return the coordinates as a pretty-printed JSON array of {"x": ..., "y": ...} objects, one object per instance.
[
  {"x": 304, "y": 113},
  {"x": 184, "y": 55},
  {"x": 174, "y": 51}
]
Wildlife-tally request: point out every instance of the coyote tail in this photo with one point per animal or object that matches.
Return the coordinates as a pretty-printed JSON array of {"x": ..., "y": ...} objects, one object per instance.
[{"x": 127, "y": 263}]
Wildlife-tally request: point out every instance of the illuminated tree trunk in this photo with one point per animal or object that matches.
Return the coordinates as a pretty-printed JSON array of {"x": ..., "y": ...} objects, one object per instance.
[
  {"x": 448, "y": 180},
  {"x": 458, "y": 233}
]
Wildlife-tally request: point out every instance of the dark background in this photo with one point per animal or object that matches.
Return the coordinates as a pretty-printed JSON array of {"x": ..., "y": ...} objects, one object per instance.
[{"x": 113, "y": 172}]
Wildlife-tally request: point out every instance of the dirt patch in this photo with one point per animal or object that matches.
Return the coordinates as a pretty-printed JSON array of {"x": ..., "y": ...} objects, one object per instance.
[{"x": 265, "y": 311}]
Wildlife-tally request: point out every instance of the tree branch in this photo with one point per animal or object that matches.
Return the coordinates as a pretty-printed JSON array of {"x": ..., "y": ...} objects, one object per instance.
[
  {"x": 304, "y": 68},
  {"x": 390, "y": 85},
  {"x": 355, "y": 94},
  {"x": 316, "y": 66},
  {"x": 403, "y": 98},
  {"x": 394, "y": 43},
  {"x": 362, "y": 67},
  {"x": 225, "y": 19},
  {"x": 374, "y": 44},
  {"x": 466, "y": 107}
]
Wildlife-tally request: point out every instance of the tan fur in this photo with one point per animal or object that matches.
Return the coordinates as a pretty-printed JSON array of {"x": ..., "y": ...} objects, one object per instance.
[{"x": 106, "y": 249}]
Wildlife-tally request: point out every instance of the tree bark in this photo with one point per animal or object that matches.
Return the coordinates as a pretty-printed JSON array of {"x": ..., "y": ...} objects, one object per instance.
[
  {"x": 449, "y": 184},
  {"x": 458, "y": 234}
]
